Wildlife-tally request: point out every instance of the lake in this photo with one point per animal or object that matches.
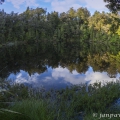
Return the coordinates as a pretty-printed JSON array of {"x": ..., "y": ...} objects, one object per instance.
[{"x": 59, "y": 65}]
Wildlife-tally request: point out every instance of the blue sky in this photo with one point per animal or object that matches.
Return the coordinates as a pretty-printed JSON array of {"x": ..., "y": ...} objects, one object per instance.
[{"x": 53, "y": 5}]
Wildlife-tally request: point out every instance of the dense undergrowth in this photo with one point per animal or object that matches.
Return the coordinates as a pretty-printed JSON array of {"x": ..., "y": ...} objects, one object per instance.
[{"x": 73, "y": 103}]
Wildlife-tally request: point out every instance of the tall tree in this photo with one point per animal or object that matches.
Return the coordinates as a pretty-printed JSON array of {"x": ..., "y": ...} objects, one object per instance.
[
  {"x": 71, "y": 13},
  {"x": 83, "y": 13},
  {"x": 113, "y": 5}
]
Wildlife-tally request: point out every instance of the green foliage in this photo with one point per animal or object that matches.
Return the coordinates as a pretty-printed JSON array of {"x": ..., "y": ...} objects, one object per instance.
[
  {"x": 69, "y": 104},
  {"x": 30, "y": 110},
  {"x": 63, "y": 39},
  {"x": 113, "y": 5},
  {"x": 118, "y": 31},
  {"x": 35, "y": 25}
]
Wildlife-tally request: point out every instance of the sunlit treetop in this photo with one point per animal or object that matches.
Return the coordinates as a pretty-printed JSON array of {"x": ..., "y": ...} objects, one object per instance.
[{"x": 113, "y": 5}]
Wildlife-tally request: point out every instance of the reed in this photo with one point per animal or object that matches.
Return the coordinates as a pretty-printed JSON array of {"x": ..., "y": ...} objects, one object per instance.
[{"x": 72, "y": 103}]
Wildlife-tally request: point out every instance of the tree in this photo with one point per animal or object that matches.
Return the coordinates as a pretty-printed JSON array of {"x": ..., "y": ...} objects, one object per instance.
[
  {"x": 83, "y": 13},
  {"x": 113, "y": 5},
  {"x": 71, "y": 13},
  {"x": 107, "y": 23},
  {"x": 1, "y": 1}
]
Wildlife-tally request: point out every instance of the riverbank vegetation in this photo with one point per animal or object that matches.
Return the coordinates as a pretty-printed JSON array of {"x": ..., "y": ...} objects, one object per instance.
[
  {"x": 74, "y": 40},
  {"x": 72, "y": 103}
]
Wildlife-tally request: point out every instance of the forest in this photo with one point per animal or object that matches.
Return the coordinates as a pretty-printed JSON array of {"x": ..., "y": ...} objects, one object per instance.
[
  {"x": 34, "y": 25},
  {"x": 36, "y": 58},
  {"x": 36, "y": 40}
]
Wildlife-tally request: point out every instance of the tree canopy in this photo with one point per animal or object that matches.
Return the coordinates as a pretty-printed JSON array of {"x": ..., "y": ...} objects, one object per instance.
[
  {"x": 113, "y": 5},
  {"x": 1, "y": 1},
  {"x": 38, "y": 25}
]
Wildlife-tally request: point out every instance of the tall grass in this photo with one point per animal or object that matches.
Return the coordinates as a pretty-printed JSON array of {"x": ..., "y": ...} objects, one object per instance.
[
  {"x": 72, "y": 103},
  {"x": 30, "y": 110}
]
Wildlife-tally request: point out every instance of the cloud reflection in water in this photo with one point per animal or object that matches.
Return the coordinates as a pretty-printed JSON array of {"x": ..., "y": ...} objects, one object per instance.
[{"x": 60, "y": 77}]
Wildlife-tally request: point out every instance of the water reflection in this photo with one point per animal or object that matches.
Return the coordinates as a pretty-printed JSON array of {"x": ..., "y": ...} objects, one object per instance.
[
  {"x": 58, "y": 65},
  {"x": 60, "y": 77}
]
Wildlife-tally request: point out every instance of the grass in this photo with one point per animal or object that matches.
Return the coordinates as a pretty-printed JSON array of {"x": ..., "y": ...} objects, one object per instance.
[
  {"x": 72, "y": 103},
  {"x": 30, "y": 110}
]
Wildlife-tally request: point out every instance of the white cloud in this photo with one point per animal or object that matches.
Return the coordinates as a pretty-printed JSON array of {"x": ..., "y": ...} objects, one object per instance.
[
  {"x": 65, "y": 74},
  {"x": 47, "y": 79},
  {"x": 61, "y": 76},
  {"x": 23, "y": 77},
  {"x": 98, "y": 77},
  {"x": 77, "y": 78},
  {"x": 20, "y": 78},
  {"x": 96, "y": 4},
  {"x": 74, "y": 72},
  {"x": 64, "y": 5},
  {"x": 17, "y": 3}
]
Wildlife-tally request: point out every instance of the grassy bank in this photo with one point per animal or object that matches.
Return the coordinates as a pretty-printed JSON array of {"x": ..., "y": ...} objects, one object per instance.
[{"x": 72, "y": 103}]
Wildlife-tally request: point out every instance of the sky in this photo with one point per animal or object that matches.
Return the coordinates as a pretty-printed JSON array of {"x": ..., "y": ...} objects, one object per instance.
[{"x": 19, "y": 6}]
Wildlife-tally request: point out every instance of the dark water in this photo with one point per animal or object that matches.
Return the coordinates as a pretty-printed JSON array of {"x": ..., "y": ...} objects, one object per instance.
[{"x": 58, "y": 66}]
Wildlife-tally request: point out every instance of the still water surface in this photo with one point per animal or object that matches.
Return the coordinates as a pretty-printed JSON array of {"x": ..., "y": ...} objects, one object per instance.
[
  {"x": 60, "y": 77},
  {"x": 56, "y": 67}
]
